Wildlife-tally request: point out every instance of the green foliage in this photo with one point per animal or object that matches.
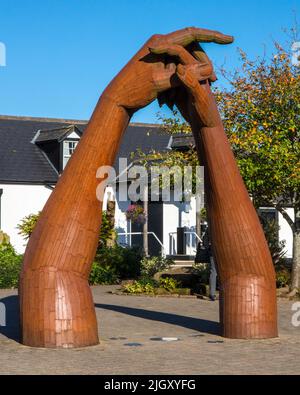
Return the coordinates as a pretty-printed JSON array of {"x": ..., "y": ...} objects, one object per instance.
[
  {"x": 152, "y": 265},
  {"x": 283, "y": 277},
  {"x": 174, "y": 125},
  {"x": 4, "y": 239},
  {"x": 202, "y": 271},
  {"x": 143, "y": 285},
  {"x": 10, "y": 266},
  {"x": 103, "y": 275},
  {"x": 203, "y": 214},
  {"x": 124, "y": 262},
  {"x": 27, "y": 225},
  {"x": 107, "y": 231},
  {"x": 148, "y": 285},
  {"x": 169, "y": 283},
  {"x": 261, "y": 114}
]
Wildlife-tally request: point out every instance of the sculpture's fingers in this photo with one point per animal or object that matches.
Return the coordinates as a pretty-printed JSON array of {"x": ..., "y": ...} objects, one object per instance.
[
  {"x": 199, "y": 92},
  {"x": 174, "y": 50},
  {"x": 198, "y": 53},
  {"x": 190, "y": 34},
  {"x": 188, "y": 78},
  {"x": 202, "y": 71}
]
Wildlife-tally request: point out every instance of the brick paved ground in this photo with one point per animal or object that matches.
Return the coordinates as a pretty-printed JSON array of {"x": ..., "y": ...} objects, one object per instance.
[{"x": 130, "y": 319}]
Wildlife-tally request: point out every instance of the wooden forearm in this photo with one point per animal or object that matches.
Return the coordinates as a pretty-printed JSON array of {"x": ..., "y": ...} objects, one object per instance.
[
  {"x": 238, "y": 235},
  {"x": 246, "y": 272},
  {"x": 56, "y": 304}
]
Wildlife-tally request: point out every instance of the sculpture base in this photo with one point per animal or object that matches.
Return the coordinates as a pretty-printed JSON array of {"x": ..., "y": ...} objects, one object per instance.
[
  {"x": 248, "y": 308},
  {"x": 57, "y": 310}
]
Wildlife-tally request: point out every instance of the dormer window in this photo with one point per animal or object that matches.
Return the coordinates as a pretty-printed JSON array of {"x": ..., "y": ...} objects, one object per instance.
[
  {"x": 69, "y": 148},
  {"x": 58, "y": 145}
]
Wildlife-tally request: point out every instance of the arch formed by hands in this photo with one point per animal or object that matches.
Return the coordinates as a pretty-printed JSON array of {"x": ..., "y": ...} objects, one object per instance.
[{"x": 57, "y": 308}]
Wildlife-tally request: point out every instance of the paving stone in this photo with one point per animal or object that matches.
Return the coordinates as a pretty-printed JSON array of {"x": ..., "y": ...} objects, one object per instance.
[{"x": 137, "y": 320}]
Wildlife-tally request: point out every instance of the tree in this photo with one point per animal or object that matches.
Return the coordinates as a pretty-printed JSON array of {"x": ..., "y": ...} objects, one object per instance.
[
  {"x": 27, "y": 225},
  {"x": 261, "y": 114}
]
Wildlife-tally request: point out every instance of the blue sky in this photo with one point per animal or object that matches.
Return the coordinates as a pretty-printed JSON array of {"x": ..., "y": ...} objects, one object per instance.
[{"x": 61, "y": 54}]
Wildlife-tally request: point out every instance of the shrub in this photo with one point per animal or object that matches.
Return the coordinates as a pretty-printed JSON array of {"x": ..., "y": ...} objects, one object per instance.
[
  {"x": 168, "y": 283},
  {"x": 4, "y": 239},
  {"x": 103, "y": 275},
  {"x": 202, "y": 271},
  {"x": 107, "y": 231},
  {"x": 10, "y": 266},
  {"x": 283, "y": 277},
  {"x": 130, "y": 266},
  {"x": 27, "y": 225},
  {"x": 143, "y": 285},
  {"x": 151, "y": 266},
  {"x": 150, "y": 286},
  {"x": 124, "y": 262}
]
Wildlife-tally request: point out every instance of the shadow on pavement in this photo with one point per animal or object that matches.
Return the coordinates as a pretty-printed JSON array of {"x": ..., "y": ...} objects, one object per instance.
[
  {"x": 12, "y": 318},
  {"x": 196, "y": 324},
  {"x": 12, "y": 328}
]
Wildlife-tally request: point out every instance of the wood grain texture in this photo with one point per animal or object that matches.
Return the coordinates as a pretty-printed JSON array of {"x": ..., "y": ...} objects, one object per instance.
[{"x": 245, "y": 267}]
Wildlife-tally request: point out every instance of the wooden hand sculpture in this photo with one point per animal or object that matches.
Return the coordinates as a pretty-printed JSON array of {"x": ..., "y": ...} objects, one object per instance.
[
  {"x": 245, "y": 268},
  {"x": 56, "y": 304}
]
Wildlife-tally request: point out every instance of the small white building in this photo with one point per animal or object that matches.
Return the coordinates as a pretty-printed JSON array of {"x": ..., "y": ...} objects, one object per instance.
[{"x": 33, "y": 154}]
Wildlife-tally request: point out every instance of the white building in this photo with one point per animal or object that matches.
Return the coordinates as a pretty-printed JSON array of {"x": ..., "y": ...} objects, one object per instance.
[{"x": 33, "y": 153}]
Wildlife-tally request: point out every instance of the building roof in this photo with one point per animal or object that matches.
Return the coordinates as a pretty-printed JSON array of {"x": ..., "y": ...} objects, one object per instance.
[
  {"x": 58, "y": 134},
  {"x": 22, "y": 161},
  {"x": 182, "y": 142}
]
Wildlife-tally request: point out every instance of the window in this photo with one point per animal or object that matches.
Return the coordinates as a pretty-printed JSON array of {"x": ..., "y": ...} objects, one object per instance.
[
  {"x": 269, "y": 220},
  {"x": 69, "y": 148},
  {"x": 268, "y": 214}
]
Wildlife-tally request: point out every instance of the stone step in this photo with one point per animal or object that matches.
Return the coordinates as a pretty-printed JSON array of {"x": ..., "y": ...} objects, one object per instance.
[
  {"x": 182, "y": 258},
  {"x": 179, "y": 263}
]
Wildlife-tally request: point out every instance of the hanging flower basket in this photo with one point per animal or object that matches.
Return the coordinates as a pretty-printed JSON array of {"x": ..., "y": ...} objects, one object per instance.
[{"x": 136, "y": 214}]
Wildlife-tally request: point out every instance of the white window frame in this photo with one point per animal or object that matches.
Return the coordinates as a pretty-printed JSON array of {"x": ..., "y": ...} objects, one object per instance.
[{"x": 68, "y": 150}]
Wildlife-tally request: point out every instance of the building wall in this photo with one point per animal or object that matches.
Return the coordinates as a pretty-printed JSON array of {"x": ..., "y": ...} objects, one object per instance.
[
  {"x": 121, "y": 223},
  {"x": 18, "y": 201},
  {"x": 285, "y": 232},
  {"x": 170, "y": 223},
  {"x": 176, "y": 214},
  {"x": 179, "y": 214}
]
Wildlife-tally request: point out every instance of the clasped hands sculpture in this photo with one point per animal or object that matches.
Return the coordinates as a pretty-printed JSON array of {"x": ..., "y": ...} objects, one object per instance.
[{"x": 56, "y": 303}]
